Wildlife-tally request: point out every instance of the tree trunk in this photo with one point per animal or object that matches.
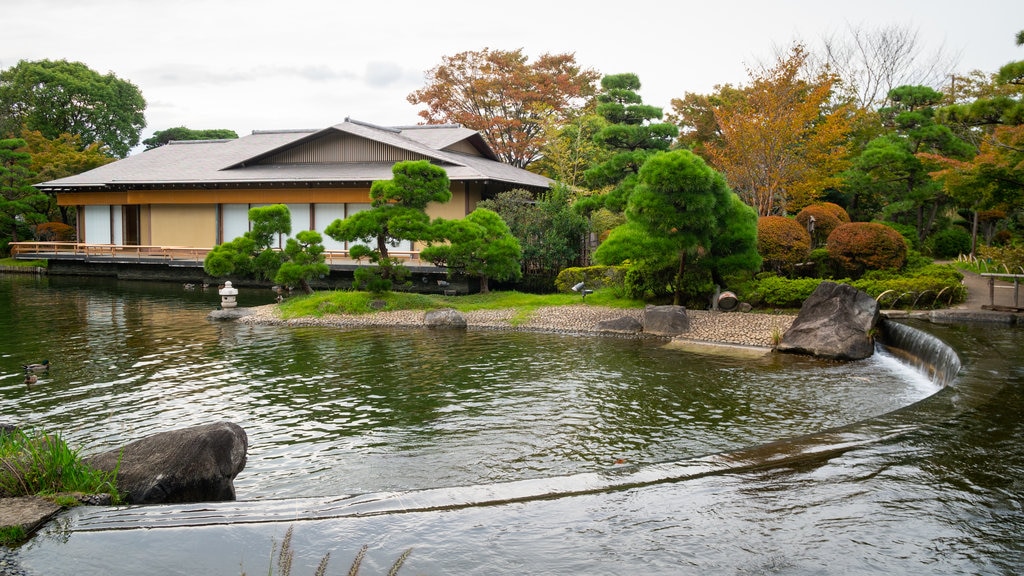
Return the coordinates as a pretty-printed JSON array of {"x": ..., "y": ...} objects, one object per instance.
[
  {"x": 677, "y": 296},
  {"x": 306, "y": 288},
  {"x": 974, "y": 234},
  {"x": 484, "y": 289}
]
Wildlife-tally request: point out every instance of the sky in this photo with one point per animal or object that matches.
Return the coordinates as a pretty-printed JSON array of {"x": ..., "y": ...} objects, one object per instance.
[{"x": 251, "y": 65}]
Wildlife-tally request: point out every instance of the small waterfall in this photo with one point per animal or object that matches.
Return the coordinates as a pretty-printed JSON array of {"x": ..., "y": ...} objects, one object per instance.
[{"x": 929, "y": 354}]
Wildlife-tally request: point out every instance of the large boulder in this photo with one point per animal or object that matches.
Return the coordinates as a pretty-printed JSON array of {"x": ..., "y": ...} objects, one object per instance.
[
  {"x": 444, "y": 318},
  {"x": 666, "y": 320},
  {"x": 836, "y": 322},
  {"x": 197, "y": 464}
]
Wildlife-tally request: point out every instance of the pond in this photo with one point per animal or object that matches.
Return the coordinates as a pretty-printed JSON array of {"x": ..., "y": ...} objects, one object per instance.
[{"x": 357, "y": 435}]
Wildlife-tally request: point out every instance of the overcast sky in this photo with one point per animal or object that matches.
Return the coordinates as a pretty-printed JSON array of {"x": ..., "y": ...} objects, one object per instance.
[{"x": 253, "y": 64}]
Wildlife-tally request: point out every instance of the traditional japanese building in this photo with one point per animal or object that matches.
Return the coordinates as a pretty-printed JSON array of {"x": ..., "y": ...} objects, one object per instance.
[{"x": 197, "y": 194}]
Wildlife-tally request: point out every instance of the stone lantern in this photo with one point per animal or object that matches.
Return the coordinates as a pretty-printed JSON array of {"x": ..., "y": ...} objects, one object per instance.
[{"x": 227, "y": 295}]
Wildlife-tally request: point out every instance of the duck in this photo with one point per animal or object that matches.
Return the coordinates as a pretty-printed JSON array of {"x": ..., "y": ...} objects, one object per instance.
[
  {"x": 40, "y": 367},
  {"x": 31, "y": 378}
]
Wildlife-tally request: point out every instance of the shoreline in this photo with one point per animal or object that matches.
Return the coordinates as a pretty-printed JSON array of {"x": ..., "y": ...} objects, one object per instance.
[{"x": 743, "y": 329}]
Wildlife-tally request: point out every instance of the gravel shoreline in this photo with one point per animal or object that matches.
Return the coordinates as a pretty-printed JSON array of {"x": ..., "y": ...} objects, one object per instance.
[{"x": 732, "y": 328}]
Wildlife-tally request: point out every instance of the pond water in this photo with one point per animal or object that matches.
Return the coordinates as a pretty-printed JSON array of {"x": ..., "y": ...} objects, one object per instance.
[{"x": 407, "y": 438}]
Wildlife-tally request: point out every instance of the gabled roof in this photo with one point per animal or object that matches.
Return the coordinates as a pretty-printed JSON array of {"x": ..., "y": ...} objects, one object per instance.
[{"x": 350, "y": 152}]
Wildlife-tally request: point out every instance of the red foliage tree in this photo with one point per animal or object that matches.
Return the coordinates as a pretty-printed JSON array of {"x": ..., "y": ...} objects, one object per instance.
[{"x": 860, "y": 246}]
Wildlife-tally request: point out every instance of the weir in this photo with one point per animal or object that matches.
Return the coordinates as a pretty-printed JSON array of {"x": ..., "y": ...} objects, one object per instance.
[{"x": 920, "y": 349}]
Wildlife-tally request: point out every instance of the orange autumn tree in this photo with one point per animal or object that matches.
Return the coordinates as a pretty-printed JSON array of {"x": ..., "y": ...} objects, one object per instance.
[
  {"x": 785, "y": 140},
  {"x": 507, "y": 99}
]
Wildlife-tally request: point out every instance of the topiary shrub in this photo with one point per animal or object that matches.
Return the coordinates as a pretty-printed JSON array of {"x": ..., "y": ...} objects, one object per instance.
[
  {"x": 595, "y": 277},
  {"x": 782, "y": 243},
  {"x": 55, "y": 232},
  {"x": 950, "y": 242},
  {"x": 827, "y": 217},
  {"x": 860, "y": 246}
]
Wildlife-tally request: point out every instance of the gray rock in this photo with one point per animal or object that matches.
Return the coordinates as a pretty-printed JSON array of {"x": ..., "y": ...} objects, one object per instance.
[
  {"x": 444, "y": 318},
  {"x": 624, "y": 325},
  {"x": 230, "y": 313},
  {"x": 836, "y": 322},
  {"x": 666, "y": 320},
  {"x": 196, "y": 464}
]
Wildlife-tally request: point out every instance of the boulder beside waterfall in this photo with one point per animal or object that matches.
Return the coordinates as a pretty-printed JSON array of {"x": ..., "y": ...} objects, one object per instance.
[
  {"x": 197, "y": 464},
  {"x": 836, "y": 322}
]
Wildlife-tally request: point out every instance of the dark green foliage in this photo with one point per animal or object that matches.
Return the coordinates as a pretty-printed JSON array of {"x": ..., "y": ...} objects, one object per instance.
[
  {"x": 21, "y": 206},
  {"x": 479, "y": 245},
  {"x": 398, "y": 213},
  {"x": 929, "y": 286},
  {"x": 771, "y": 291},
  {"x": 892, "y": 174},
  {"x": 181, "y": 133},
  {"x": 632, "y": 136},
  {"x": 252, "y": 255},
  {"x": 548, "y": 229},
  {"x": 681, "y": 212},
  {"x": 305, "y": 261},
  {"x": 59, "y": 97},
  {"x": 782, "y": 243},
  {"x": 950, "y": 242},
  {"x": 860, "y": 246},
  {"x": 594, "y": 277}
]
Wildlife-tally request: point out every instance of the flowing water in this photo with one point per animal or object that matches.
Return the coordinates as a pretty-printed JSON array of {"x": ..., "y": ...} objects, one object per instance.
[{"x": 493, "y": 452}]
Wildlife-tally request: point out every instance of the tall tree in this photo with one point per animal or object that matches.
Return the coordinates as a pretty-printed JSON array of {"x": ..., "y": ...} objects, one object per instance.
[
  {"x": 161, "y": 137},
  {"x": 479, "y": 245},
  {"x": 549, "y": 231},
  {"x": 58, "y": 158},
  {"x": 398, "y": 213},
  {"x": 632, "y": 135},
  {"x": 785, "y": 141},
  {"x": 679, "y": 209},
  {"x": 21, "y": 206},
  {"x": 895, "y": 167},
  {"x": 507, "y": 99},
  {"x": 871, "y": 62},
  {"x": 59, "y": 97},
  {"x": 994, "y": 121}
]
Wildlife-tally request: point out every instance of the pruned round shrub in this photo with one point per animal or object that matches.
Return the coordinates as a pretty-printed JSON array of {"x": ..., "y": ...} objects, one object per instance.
[
  {"x": 860, "y": 246},
  {"x": 55, "y": 232},
  {"x": 782, "y": 243},
  {"x": 594, "y": 276},
  {"x": 827, "y": 217}
]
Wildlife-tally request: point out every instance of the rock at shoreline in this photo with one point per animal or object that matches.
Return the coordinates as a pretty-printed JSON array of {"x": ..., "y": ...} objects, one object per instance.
[
  {"x": 444, "y": 318},
  {"x": 196, "y": 464},
  {"x": 836, "y": 322},
  {"x": 623, "y": 325},
  {"x": 666, "y": 320}
]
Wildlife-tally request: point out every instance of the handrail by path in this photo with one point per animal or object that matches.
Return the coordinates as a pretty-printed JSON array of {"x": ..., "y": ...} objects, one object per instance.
[{"x": 992, "y": 287}]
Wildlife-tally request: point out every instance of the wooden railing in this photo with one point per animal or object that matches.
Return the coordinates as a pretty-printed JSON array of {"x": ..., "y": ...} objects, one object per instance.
[{"x": 81, "y": 251}]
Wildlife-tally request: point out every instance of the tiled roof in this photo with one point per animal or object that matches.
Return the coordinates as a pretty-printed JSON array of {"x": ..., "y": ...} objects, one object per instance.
[{"x": 227, "y": 162}]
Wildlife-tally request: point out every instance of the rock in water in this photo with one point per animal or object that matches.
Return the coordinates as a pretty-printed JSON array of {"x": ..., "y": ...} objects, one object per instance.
[
  {"x": 196, "y": 464},
  {"x": 836, "y": 322}
]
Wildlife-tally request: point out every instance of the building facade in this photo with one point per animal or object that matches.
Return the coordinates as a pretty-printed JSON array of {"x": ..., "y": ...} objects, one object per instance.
[{"x": 197, "y": 194}]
